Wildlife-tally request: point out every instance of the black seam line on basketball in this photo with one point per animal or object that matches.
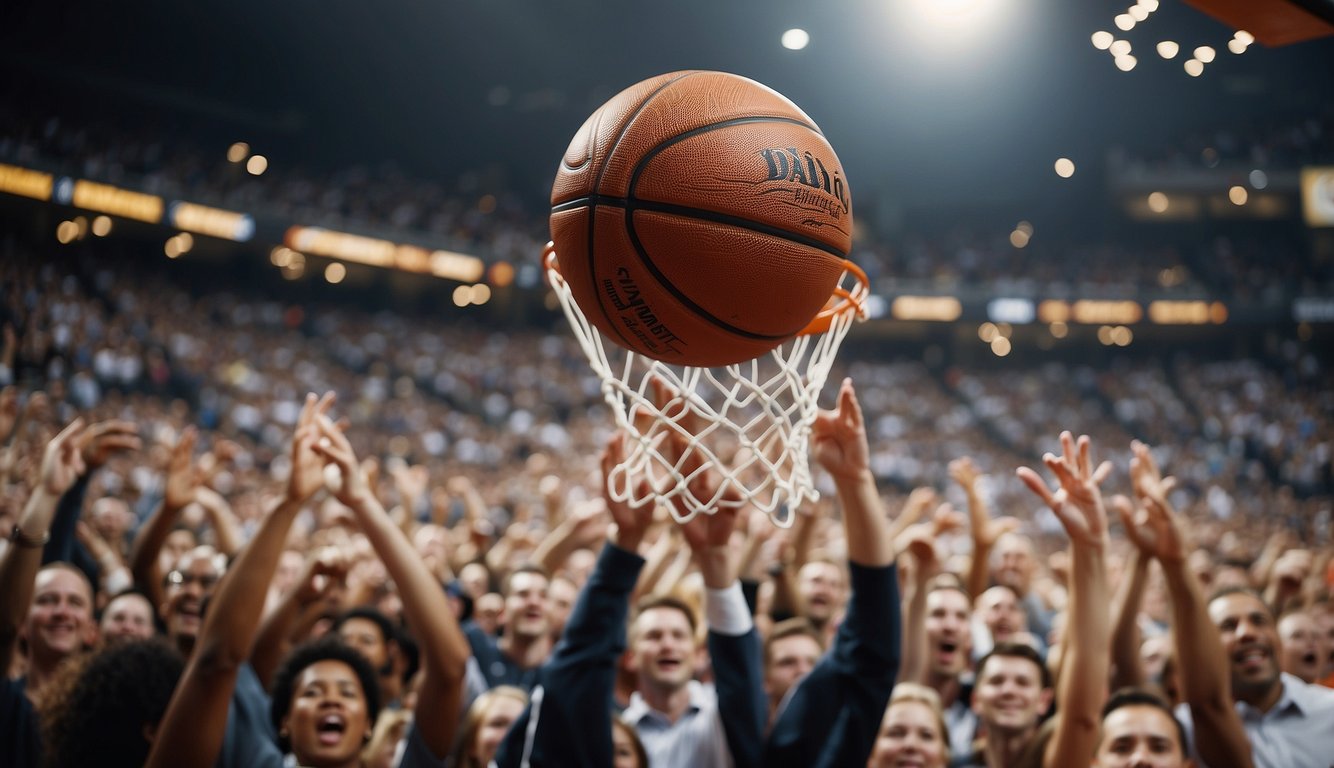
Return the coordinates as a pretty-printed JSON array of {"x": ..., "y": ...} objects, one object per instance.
[
  {"x": 634, "y": 204},
  {"x": 592, "y": 206},
  {"x": 578, "y": 202},
  {"x": 631, "y": 204},
  {"x": 684, "y": 299}
]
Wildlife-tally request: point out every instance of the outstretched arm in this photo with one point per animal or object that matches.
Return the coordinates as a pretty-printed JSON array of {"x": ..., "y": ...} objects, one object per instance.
[
  {"x": 193, "y": 726},
  {"x": 444, "y": 650},
  {"x": 569, "y": 723},
  {"x": 178, "y": 493},
  {"x": 61, "y": 466},
  {"x": 839, "y": 438},
  {"x": 297, "y": 611},
  {"x": 1082, "y": 688},
  {"x": 1127, "y": 669},
  {"x": 1155, "y": 530},
  {"x": 985, "y": 531},
  {"x": 833, "y": 715}
]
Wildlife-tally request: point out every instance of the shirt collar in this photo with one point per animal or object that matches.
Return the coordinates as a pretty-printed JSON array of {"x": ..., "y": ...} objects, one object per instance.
[{"x": 638, "y": 708}]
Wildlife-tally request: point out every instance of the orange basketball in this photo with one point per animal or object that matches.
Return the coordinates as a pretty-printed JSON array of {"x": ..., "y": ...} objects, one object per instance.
[{"x": 700, "y": 218}]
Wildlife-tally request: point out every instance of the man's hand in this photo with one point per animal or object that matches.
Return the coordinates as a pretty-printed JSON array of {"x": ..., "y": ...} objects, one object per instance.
[
  {"x": 632, "y": 521},
  {"x": 1077, "y": 501},
  {"x": 1151, "y": 524},
  {"x": 61, "y": 461},
  {"x": 334, "y": 448},
  {"x": 105, "y": 438},
  {"x": 839, "y": 438},
  {"x": 965, "y": 473},
  {"x": 182, "y": 479},
  {"x": 307, "y": 474}
]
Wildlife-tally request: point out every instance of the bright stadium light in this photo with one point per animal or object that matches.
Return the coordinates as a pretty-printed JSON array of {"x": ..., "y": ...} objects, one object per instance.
[
  {"x": 796, "y": 39},
  {"x": 957, "y": 22},
  {"x": 1168, "y": 49},
  {"x": 1102, "y": 40}
]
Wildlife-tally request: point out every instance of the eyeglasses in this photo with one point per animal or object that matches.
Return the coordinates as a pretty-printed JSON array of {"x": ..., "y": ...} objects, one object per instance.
[{"x": 205, "y": 581}]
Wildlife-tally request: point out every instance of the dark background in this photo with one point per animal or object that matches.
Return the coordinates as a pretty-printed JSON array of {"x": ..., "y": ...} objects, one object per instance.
[{"x": 923, "y": 118}]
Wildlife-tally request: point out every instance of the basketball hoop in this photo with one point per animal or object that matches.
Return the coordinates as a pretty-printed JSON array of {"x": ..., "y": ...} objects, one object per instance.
[{"x": 749, "y": 422}]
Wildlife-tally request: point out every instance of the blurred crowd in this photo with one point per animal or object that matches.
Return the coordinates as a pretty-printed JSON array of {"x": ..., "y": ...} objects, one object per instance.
[
  {"x": 1266, "y": 143},
  {"x": 480, "y": 213},
  {"x": 206, "y": 564}
]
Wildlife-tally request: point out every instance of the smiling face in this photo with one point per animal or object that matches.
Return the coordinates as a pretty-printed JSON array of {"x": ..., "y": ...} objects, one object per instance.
[
  {"x": 526, "y": 606},
  {"x": 188, "y": 585},
  {"x": 909, "y": 737},
  {"x": 60, "y": 619},
  {"x": 1251, "y": 643},
  {"x": 663, "y": 645},
  {"x": 1009, "y": 696},
  {"x": 328, "y": 723},
  {"x": 128, "y": 617}
]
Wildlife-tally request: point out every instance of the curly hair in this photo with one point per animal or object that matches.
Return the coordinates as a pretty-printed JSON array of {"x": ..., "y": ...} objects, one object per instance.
[
  {"x": 99, "y": 716},
  {"x": 301, "y": 657}
]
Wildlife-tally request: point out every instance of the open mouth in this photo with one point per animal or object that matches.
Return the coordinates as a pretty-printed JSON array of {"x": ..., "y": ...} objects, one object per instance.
[
  {"x": 330, "y": 729},
  {"x": 669, "y": 665},
  {"x": 1251, "y": 659}
]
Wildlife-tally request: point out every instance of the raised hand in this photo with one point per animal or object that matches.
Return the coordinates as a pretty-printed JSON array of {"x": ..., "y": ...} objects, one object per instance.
[
  {"x": 918, "y": 501},
  {"x": 105, "y": 438},
  {"x": 182, "y": 479},
  {"x": 307, "y": 474},
  {"x": 62, "y": 463},
  {"x": 839, "y": 437},
  {"x": 1077, "y": 500},
  {"x": 411, "y": 483},
  {"x": 632, "y": 521},
  {"x": 1146, "y": 478},
  {"x": 965, "y": 473},
  {"x": 334, "y": 448}
]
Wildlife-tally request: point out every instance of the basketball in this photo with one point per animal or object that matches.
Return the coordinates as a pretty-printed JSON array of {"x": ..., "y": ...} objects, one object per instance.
[{"x": 700, "y": 218}]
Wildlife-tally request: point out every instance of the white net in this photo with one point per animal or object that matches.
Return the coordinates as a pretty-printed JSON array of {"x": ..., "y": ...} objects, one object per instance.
[{"x": 750, "y": 423}]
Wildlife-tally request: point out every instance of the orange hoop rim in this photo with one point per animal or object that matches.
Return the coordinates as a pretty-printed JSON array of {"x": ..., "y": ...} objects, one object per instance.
[{"x": 843, "y": 299}]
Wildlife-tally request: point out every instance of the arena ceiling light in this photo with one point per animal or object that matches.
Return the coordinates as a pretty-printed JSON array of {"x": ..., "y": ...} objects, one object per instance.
[
  {"x": 957, "y": 20},
  {"x": 796, "y": 39}
]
